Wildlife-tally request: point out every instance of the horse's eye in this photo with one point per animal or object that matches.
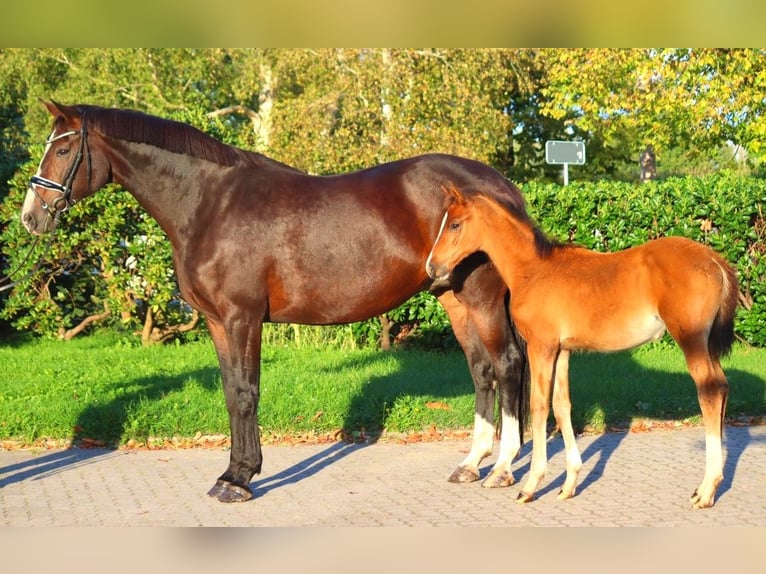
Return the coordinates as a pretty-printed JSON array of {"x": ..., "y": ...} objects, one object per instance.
[
  {"x": 62, "y": 151},
  {"x": 454, "y": 226}
]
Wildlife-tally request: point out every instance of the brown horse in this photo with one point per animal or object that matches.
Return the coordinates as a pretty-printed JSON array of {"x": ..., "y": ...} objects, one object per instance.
[
  {"x": 565, "y": 297},
  {"x": 255, "y": 240}
]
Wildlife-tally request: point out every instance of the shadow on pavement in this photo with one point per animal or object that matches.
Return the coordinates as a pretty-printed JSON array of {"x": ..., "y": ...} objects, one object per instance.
[
  {"x": 306, "y": 468},
  {"x": 46, "y": 465}
]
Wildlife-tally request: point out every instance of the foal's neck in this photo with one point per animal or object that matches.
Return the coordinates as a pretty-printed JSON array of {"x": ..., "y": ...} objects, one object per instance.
[{"x": 511, "y": 244}]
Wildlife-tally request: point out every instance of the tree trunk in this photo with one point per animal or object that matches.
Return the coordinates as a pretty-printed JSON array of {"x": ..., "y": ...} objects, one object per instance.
[
  {"x": 74, "y": 331},
  {"x": 261, "y": 120},
  {"x": 648, "y": 163},
  {"x": 151, "y": 335},
  {"x": 385, "y": 335}
]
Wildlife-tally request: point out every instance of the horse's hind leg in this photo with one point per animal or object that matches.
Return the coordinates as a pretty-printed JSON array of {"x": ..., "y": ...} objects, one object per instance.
[
  {"x": 508, "y": 362},
  {"x": 480, "y": 322},
  {"x": 482, "y": 375},
  {"x": 712, "y": 393},
  {"x": 562, "y": 409}
]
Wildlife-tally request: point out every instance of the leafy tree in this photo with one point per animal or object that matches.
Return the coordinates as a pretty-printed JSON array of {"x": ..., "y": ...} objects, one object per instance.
[{"x": 690, "y": 99}]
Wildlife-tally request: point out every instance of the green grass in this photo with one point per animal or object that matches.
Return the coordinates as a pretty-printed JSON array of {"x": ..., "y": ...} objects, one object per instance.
[{"x": 102, "y": 389}]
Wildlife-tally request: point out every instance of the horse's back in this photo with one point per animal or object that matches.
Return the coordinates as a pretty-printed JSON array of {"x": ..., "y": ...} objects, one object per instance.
[
  {"x": 337, "y": 248},
  {"x": 681, "y": 255}
]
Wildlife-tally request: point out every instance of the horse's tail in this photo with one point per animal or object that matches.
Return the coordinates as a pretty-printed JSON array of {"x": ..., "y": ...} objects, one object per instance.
[
  {"x": 523, "y": 409},
  {"x": 522, "y": 404},
  {"x": 722, "y": 332}
]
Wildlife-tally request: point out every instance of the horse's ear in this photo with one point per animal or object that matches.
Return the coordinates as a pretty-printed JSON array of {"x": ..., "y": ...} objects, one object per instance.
[
  {"x": 69, "y": 114},
  {"x": 53, "y": 108},
  {"x": 453, "y": 193}
]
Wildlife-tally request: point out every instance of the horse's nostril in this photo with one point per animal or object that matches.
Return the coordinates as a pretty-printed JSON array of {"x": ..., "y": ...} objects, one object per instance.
[{"x": 29, "y": 221}]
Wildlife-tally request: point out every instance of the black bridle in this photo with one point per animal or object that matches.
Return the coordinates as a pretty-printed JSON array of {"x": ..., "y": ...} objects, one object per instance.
[
  {"x": 64, "y": 201},
  {"x": 59, "y": 205}
]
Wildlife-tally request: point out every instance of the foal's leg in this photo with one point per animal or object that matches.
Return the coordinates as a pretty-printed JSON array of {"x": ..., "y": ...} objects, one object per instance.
[
  {"x": 712, "y": 393},
  {"x": 562, "y": 409},
  {"x": 239, "y": 346},
  {"x": 541, "y": 364}
]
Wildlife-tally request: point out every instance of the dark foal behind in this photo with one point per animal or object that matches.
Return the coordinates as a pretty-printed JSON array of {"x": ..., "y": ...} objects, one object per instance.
[
  {"x": 255, "y": 240},
  {"x": 567, "y": 298}
]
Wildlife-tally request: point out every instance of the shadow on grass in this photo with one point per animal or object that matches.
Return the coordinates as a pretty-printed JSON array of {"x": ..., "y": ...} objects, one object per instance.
[
  {"x": 601, "y": 385},
  {"x": 100, "y": 426},
  {"x": 384, "y": 401}
]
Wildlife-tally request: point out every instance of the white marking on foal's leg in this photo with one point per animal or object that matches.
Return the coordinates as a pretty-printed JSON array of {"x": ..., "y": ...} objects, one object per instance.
[{"x": 705, "y": 494}]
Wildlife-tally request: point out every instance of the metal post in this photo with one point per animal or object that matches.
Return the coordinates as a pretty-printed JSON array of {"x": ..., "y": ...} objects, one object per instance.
[{"x": 566, "y": 174}]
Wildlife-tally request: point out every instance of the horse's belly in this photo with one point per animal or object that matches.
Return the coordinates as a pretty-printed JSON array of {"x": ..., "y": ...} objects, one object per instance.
[
  {"x": 616, "y": 333},
  {"x": 343, "y": 298}
]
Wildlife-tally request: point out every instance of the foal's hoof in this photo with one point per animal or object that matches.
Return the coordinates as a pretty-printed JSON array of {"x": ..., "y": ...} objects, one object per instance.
[
  {"x": 565, "y": 495},
  {"x": 696, "y": 501},
  {"x": 227, "y": 492},
  {"x": 524, "y": 498},
  {"x": 498, "y": 479},
  {"x": 464, "y": 474}
]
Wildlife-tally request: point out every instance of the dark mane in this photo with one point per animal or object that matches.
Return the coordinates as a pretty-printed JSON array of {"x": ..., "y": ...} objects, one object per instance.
[
  {"x": 545, "y": 245},
  {"x": 170, "y": 135}
]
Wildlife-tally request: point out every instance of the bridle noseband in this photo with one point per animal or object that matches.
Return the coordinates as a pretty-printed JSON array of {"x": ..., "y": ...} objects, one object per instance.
[{"x": 65, "y": 188}]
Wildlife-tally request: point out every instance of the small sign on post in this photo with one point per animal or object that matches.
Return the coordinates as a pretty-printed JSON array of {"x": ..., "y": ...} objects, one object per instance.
[{"x": 563, "y": 153}]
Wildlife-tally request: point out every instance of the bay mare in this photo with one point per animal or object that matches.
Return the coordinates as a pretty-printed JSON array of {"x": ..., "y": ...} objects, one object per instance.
[
  {"x": 255, "y": 240},
  {"x": 566, "y": 298}
]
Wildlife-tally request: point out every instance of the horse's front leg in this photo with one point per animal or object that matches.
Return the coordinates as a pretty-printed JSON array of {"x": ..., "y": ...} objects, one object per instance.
[
  {"x": 562, "y": 410},
  {"x": 239, "y": 349},
  {"x": 541, "y": 364}
]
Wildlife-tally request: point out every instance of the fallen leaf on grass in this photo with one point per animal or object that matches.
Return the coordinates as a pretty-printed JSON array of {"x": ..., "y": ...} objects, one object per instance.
[{"x": 438, "y": 405}]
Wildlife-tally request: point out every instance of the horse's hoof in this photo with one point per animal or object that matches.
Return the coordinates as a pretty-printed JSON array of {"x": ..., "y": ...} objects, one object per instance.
[
  {"x": 498, "y": 479},
  {"x": 564, "y": 495},
  {"x": 235, "y": 493},
  {"x": 219, "y": 488},
  {"x": 464, "y": 474},
  {"x": 524, "y": 498},
  {"x": 696, "y": 501},
  {"x": 225, "y": 491}
]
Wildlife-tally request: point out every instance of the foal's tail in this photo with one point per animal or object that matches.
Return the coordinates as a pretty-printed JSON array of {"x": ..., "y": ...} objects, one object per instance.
[{"x": 722, "y": 333}]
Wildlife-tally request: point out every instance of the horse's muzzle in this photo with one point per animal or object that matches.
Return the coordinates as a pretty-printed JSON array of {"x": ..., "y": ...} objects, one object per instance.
[{"x": 437, "y": 273}]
